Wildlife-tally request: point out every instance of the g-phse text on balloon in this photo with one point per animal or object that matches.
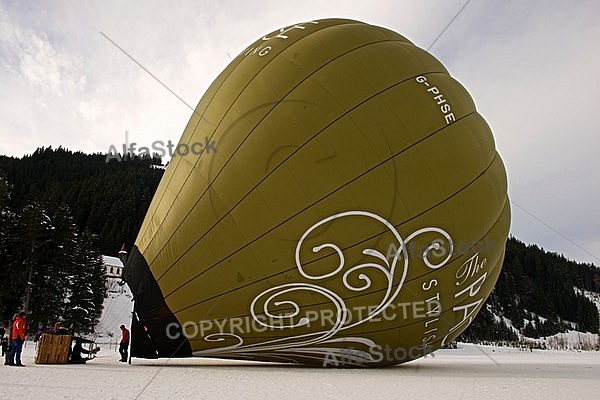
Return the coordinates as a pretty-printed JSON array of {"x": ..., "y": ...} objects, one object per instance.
[{"x": 441, "y": 101}]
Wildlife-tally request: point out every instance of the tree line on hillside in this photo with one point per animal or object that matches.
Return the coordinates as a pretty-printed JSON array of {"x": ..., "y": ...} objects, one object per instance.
[
  {"x": 59, "y": 211},
  {"x": 107, "y": 199},
  {"x": 540, "y": 293}
]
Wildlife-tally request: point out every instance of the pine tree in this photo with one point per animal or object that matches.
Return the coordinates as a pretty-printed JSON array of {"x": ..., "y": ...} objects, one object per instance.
[
  {"x": 86, "y": 287},
  {"x": 62, "y": 276},
  {"x": 12, "y": 284}
]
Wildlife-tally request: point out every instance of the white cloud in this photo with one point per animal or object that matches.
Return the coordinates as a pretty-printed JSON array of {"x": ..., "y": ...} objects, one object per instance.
[{"x": 41, "y": 64}]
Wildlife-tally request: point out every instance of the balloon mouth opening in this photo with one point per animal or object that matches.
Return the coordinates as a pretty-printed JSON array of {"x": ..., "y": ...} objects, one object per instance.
[{"x": 155, "y": 331}]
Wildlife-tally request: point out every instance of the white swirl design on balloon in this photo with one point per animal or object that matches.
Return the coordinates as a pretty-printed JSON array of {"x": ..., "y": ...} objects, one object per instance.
[{"x": 316, "y": 345}]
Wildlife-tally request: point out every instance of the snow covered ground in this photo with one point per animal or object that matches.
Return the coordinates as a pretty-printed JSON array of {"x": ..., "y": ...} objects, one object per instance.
[{"x": 470, "y": 372}]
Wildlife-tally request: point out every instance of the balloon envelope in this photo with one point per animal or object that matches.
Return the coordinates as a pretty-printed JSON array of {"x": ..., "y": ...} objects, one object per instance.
[{"x": 335, "y": 200}]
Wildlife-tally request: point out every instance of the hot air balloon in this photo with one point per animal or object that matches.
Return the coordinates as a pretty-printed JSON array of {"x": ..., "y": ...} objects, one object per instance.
[{"x": 345, "y": 206}]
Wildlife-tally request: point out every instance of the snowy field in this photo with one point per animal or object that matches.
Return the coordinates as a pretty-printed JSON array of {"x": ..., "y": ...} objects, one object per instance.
[{"x": 470, "y": 372}]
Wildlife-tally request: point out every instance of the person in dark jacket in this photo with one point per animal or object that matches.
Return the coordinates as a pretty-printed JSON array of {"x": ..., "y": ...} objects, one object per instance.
[
  {"x": 78, "y": 349},
  {"x": 57, "y": 330},
  {"x": 8, "y": 339},
  {"x": 5, "y": 348},
  {"x": 4, "y": 341}
]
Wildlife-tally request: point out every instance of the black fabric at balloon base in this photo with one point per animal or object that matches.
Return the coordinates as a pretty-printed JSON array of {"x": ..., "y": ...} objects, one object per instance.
[{"x": 155, "y": 332}]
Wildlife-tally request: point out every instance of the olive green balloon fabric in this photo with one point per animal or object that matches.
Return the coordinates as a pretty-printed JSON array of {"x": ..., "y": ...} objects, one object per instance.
[{"x": 347, "y": 207}]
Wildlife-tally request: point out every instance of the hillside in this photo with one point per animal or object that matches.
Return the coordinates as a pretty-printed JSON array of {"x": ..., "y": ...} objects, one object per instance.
[
  {"x": 538, "y": 294},
  {"x": 106, "y": 199},
  {"x": 116, "y": 311}
]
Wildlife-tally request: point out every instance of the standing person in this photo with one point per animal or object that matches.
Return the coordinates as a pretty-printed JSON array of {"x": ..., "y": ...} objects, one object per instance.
[
  {"x": 124, "y": 343},
  {"x": 18, "y": 337},
  {"x": 8, "y": 342},
  {"x": 4, "y": 346},
  {"x": 5, "y": 350}
]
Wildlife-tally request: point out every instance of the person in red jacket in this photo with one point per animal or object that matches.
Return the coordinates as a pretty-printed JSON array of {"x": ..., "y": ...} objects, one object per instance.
[
  {"x": 18, "y": 337},
  {"x": 124, "y": 343}
]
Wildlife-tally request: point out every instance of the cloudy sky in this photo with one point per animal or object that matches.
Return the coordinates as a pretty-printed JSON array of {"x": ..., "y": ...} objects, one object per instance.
[{"x": 533, "y": 68}]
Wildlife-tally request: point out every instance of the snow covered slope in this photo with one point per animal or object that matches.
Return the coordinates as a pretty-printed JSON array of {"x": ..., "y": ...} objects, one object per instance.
[{"x": 117, "y": 310}]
